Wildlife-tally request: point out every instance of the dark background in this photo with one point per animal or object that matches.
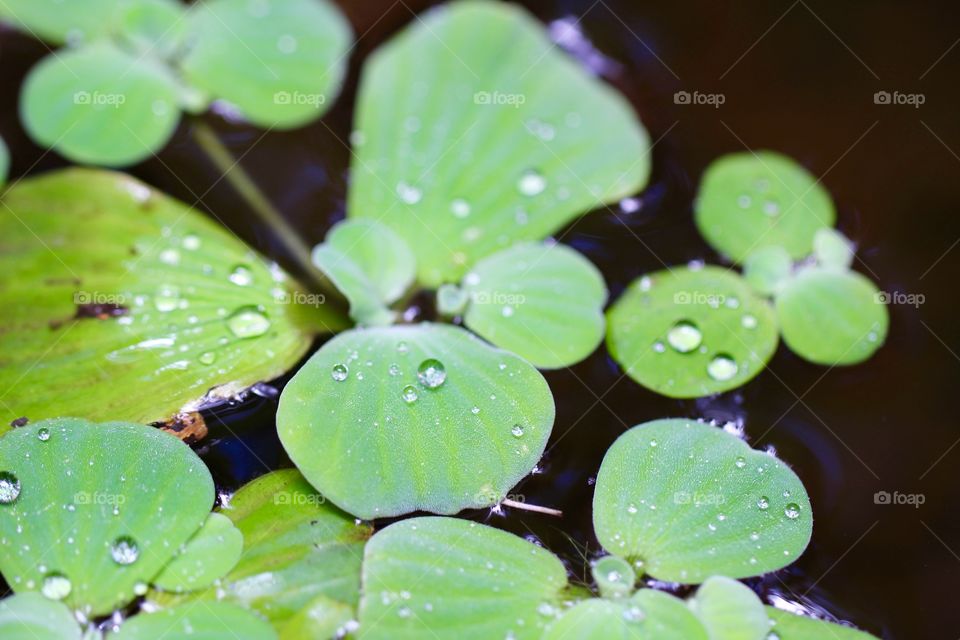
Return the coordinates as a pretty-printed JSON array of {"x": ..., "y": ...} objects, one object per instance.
[{"x": 798, "y": 77}]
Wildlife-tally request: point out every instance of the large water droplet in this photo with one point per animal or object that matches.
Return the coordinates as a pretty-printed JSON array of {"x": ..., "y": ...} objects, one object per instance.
[
  {"x": 722, "y": 368},
  {"x": 409, "y": 394},
  {"x": 124, "y": 550},
  {"x": 248, "y": 322},
  {"x": 339, "y": 372},
  {"x": 684, "y": 336},
  {"x": 9, "y": 487},
  {"x": 763, "y": 503},
  {"x": 43, "y": 434},
  {"x": 241, "y": 275},
  {"x": 531, "y": 183},
  {"x": 431, "y": 373},
  {"x": 517, "y": 431},
  {"x": 792, "y": 511},
  {"x": 56, "y": 586}
]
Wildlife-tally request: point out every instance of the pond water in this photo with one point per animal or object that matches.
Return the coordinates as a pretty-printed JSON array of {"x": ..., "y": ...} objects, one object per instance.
[{"x": 798, "y": 77}]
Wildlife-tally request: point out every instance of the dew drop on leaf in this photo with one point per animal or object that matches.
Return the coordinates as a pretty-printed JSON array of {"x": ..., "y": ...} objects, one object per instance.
[
  {"x": 9, "y": 487},
  {"x": 517, "y": 431},
  {"x": 722, "y": 367},
  {"x": 56, "y": 586},
  {"x": 531, "y": 183},
  {"x": 431, "y": 373},
  {"x": 43, "y": 434},
  {"x": 241, "y": 275},
  {"x": 339, "y": 372},
  {"x": 248, "y": 322},
  {"x": 684, "y": 336},
  {"x": 409, "y": 394},
  {"x": 792, "y": 511},
  {"x": 763, "y": 503},
  {"x": 124, "y": 550}
]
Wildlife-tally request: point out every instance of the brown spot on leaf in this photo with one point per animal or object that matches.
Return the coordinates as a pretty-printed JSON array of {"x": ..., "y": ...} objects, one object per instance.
[
  {"x": 189, "y": 427},
  {"x": 100, "y": 311}
]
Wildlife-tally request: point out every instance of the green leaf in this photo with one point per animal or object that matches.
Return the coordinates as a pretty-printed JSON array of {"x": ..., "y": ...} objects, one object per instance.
[
  {"x": 300, "y": 566},
  {"x": 91, "y": 529},
  {"x": 59, "y": 22},
  {"x": 426, "y": 417},
  {"x": 832, "y": 317},
  {"x": 752, "y": 199},
  {"x": 208, "y": 556},
  {"x": 279, "y": 62},
  {"x": 543, "y": 302},
  {"x": 767, "y": 269},
  {"x": 197, "y": 621},
  {"x": 450, "y": 578},
  {"x": 520, "y": 140},
  {"x": 832, "y": 249},
  {"x": 4, "y": 162},
  {"x": 152, "y": 28},
  {"x": 730, "y": 610},
  {"x": 614, "y": 577},
  {"x": 687, "y": 333},
  {"x": 689, "y": 501},
  {"x": 100, "y": 105},
  {"x": 788, "y": 626},
  {"x": 31, "y": 616},
  {"x": 647, "y": 615},
  {"x": 370, "y": 264},
  {"x": 149, "y": 304}
]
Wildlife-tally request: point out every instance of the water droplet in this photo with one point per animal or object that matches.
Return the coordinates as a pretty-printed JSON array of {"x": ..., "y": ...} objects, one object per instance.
[
  {"x": 763, "y": 503},
  {"x": 771, "y": 208},
  {"x": 167, "y": 299},
  {"x": 409, "y": 394},
  {"x": 722, "y": 368},
  {"x": 43, "y": 434},
  {"x": 633, "y": 614},
  {"x": 653, "y": 443},
  {"x": 248, "y": 322},
  {"x": 241, "y": 275},
  {"x": 792, "y": 511},
  {"x": 191, "y": 242},
  {"x": 744, "y": 201},
  {"x": 394, "y": 369},
  {"x": 431, "y": 373},
  {"x": 56, "y": 586},
  {"x": 748, "y": 322},
  {"x": 740, "y": 462},
  {"x": 9, "y": 487},
  {"x": 658, "y": 347},
  {"x": 517, "y": 431},
  {"x": 531, "y": 183},
  {"x": 402, "y": 348},
  {"x": 339, "y": 372},
  {"x": 124, "y": 550},
  {"x": 409, "y": 193},
  {"x": 506, "y": 311},
  {"x": 684, "y": 336},
  {"x": 208, "y": 357},
  {"x": 170, "y": 257},
  {"x": 140, "y": 589},
  {"x": 460, "y": 208}
]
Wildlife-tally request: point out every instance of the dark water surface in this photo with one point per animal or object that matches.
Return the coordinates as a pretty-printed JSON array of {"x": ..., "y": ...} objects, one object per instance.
[{"x": 798, "y": 77}]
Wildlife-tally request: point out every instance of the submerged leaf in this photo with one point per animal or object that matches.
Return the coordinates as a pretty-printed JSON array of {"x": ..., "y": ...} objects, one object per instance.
[
  {"x": 370, "y": 264},
  {"x": 542, "y": 302},
  {"x": 279, "y": 62},
  {"x": 647, "y": 615},
  {"x": 730, "y": 610},
  {"x": 752, "y": 199},
  {"x": 31, "y": 616},
  {"x": 100, "y": 105},
  {"x": 788, "y": 626},
  {"x": 689, "y": 501},
  {"x": 688, "y": 333},
  {"x": 450, "y": 578},
  {"x": 519, "y": 141},
  {"x": 386, "y": 421},
  {"x": 208, "y": 556},
  {"x": 197, "y": 621},
  {"x": 832, "y": 317},
  {"x": 89, "y": 529},
  {"x": 123, "y": 303}
]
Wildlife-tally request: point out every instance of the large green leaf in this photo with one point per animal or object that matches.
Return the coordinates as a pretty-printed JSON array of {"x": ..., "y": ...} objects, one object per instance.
[
  {"x": 93, "y": 529},
  {"x": 386, "y": 421},
  {"x": 100, "y": 105},
  {"x": 475, "y": 131},
  {"x": 832, "y": 317},
  {"x": 543, "y": 302},
  {"x": 730, "y": 610},
  {"x": 300, "y": 566},
  {"x": 31, "y": 616},
  {"x": 450, "y": 578},
  {"x": 787, "y": 626},
  {"x": 279, "y": 62},
  {"x": 60, "y": 22},
  {"x": 121, "y": 303},
  {"x": 196, "y": 621},
  {"x": 751, "y": 199},
  {"x": 688, "y": 332},
  {"x": 208, "y": 556},
  {"x": 647, "y": 615},
  {"x": 370, "y": 264},
  {"x": 688, "y": 500}
]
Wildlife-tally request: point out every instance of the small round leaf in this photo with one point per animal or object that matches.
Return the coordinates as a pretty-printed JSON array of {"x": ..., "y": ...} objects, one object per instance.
[
  {"x": 385, "y": 421},
  {"x": 208, "y": 556},
  {"x": 90, "y": 529},
  {"x": 648, "y": 615},
  {"x": 689, "y": 501},
  {"x": 832, "y": 317},
  {"x": 280, "y": 62},
  {"x": 542, "y": 302},
  {"x": 450, "y": 578},
  {"x": 730, "y": 610},
  {"x": 687, "y": 333},
  {"x": 788, "y": 626},
  {"x": 197, "y": 621},
  {"x": 754, "y": 199},
  {"x": 832, "y": 249},
  {"x": 100, "y": 105},
  {"x": 31, "y": 616},
  {"x": 767, "y": 269}
]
